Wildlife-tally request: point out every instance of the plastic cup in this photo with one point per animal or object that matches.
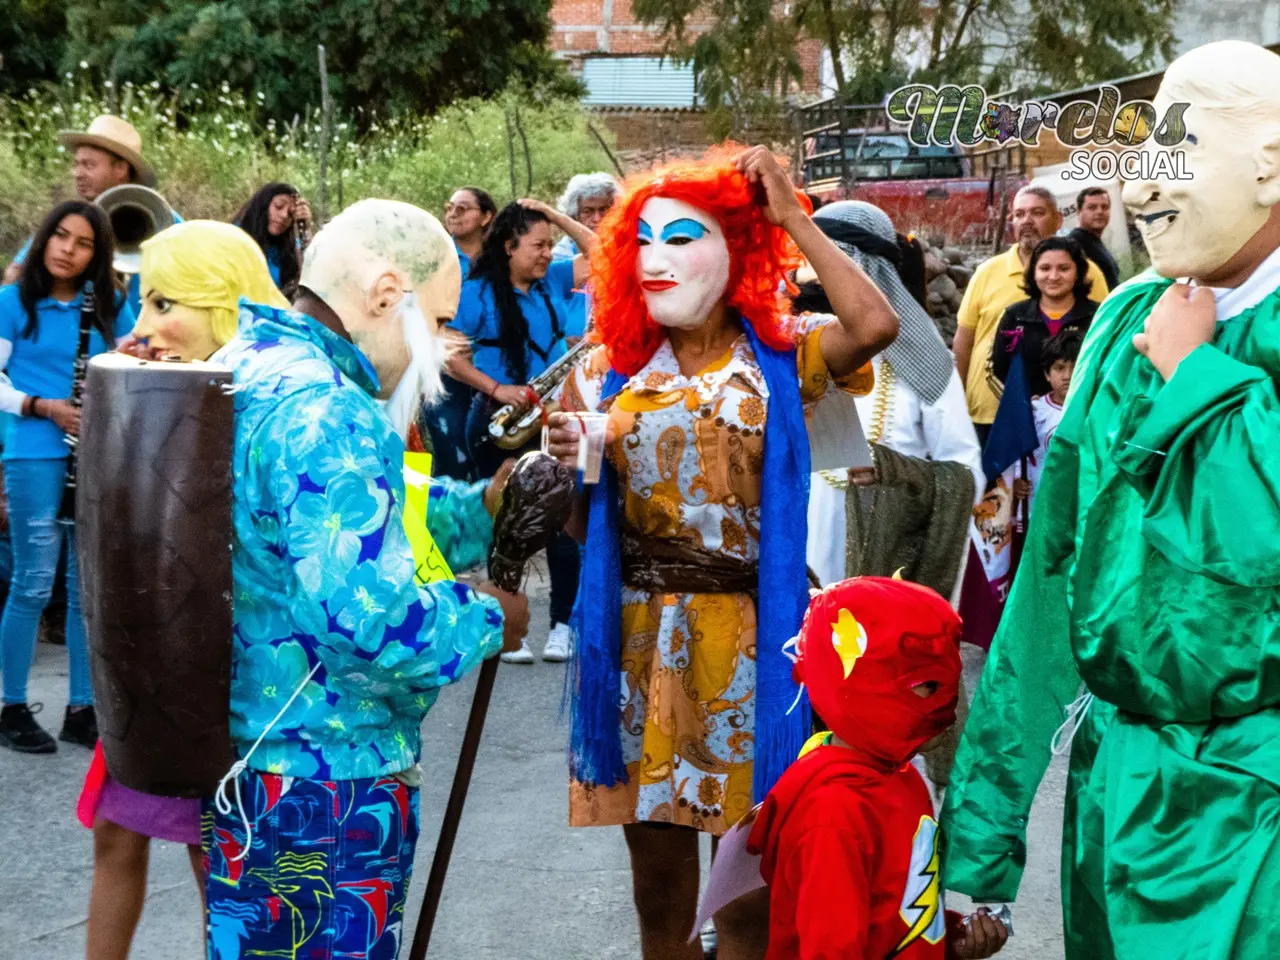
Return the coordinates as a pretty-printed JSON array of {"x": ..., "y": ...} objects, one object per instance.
[{"x": 592, "y": 428}]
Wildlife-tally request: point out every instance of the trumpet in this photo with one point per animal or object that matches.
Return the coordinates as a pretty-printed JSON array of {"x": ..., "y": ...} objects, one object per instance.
[
  {"x": 513, "y": 426},
  {"x": 137, "y": 214}
]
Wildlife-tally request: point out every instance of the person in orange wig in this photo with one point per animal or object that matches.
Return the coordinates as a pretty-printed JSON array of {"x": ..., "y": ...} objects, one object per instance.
[{"x": 694, "y": 573}]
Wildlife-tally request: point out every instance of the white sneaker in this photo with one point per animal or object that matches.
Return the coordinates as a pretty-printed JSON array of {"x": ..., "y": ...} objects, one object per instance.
[
  {"x": 523, "y": 655},
  {"x": 559, "y": 646}
]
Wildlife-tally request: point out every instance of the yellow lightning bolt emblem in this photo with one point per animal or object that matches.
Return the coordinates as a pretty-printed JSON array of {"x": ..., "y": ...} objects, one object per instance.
[
  {"x": 849, "y": 640},
  {"x": 922, "y": 900}
]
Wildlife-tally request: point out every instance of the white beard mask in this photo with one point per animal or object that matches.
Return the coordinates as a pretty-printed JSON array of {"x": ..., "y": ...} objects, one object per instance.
[
  {"x": 683, "y": 266},
  {"x": 421, "y": 382}
]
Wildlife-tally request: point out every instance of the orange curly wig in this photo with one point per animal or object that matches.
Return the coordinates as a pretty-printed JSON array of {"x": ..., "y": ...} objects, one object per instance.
[{"x": 760, "y": 256}]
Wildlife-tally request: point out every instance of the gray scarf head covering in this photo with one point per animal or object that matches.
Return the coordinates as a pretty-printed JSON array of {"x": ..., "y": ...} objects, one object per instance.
[{"x": 919, "y": 355}]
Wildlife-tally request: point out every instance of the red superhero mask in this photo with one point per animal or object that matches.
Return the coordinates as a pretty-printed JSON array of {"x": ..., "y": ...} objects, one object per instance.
[{"x": 865, "y": 645}]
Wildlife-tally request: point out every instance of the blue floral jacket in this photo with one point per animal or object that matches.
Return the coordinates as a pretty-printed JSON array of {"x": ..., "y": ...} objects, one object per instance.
[{"x": 322, "y": 569}]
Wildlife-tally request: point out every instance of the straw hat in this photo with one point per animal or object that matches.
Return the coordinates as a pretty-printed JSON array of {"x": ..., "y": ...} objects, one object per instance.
[{"x": 114, "y": 136}]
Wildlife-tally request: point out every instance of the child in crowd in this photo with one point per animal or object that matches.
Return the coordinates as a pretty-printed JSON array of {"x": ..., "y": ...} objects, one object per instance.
[
  {"x": 847, "y": 838},
  {"x": 1058, "y": 361}
]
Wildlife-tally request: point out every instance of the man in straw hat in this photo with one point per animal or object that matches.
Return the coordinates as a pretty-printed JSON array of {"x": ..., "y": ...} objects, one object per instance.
[{"x": 108, "y": 154}]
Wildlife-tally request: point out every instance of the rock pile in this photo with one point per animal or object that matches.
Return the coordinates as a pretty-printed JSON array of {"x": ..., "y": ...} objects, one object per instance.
[{"x": 947, "y": 271}]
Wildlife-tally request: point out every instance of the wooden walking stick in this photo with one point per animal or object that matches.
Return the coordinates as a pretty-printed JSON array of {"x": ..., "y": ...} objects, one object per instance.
[
  {"x": 453, "y": 810},
  {"x": 536, "y": 504}
]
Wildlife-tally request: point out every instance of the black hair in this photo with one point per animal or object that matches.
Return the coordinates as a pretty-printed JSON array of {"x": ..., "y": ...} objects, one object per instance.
[
  {"x": 483, "y": 200},
  {"x": 37, "y": 281},
  {"x": 1081, "y": 289},
  {"x": 813, "y": 299},
  {"x": 494, "y": 266},
  {"x": 1065, "y": 345},
  {"x": 1088, "y": 192},
  {"x": 254, "y": 220},
  {"x": 911, "y": 269},
  {"x": 486, "y": 205}
]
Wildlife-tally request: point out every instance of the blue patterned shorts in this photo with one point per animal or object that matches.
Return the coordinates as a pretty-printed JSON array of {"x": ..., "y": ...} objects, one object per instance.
[{"x": 326, "y": 873}]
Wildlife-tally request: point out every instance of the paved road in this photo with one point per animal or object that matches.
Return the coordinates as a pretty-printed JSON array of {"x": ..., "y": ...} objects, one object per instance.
[{"x": 522, "y": 886}]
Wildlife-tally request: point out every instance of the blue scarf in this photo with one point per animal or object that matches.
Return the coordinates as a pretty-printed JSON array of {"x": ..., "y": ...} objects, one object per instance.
[{"x": 783, "y": 596}]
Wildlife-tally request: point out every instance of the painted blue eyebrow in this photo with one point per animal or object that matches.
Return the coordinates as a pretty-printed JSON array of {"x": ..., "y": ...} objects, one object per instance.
[
  {"x": 684, "y": 228},
  {"x": 646, "y": 231}
]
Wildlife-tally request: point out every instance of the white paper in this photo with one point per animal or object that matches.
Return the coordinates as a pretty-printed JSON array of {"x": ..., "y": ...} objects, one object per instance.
[
  {"x": 836, "y": 440},
  {"x": 734, "y": 873}
]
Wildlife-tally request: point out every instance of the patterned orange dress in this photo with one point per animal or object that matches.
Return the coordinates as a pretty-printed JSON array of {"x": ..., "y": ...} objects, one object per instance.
[{"x": 689, "y": 452}]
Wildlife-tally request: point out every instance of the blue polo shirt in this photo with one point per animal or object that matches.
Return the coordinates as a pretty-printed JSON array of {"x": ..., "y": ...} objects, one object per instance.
[
  {"x": 463, "y": 261},
  {"x": 44, "y": 366},
  {"x": 273, "y": 265},
  {"x": 477, "y": 319}
]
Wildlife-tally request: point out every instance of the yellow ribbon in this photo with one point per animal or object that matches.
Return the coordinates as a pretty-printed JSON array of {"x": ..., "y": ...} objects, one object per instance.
[{"x": 429, "y": 564}]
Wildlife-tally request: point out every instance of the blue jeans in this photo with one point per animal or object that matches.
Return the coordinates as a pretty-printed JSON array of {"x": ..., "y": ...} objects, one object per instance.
[{"x": 34, "y": 488}]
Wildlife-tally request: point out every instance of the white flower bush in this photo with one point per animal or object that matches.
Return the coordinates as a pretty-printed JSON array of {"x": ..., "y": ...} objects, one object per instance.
[{"x": 213, "y": 148}]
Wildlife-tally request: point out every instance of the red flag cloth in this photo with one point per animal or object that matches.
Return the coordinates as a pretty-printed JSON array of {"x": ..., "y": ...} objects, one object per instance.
[{"x": 91, "y": 792}]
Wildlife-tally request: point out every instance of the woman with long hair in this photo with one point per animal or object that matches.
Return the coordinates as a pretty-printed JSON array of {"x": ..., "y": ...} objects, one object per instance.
[
  {"x": 270, "y": 216},
  {"x": 685, "y": 711},
  {"x": 514, "y": 310},
  {"x": 1057, "y": 286},
  {"x": 43, "y": 323}
]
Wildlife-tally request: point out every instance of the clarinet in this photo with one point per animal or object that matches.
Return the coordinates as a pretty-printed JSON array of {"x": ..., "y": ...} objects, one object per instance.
[{"x": 67, "y": 511}]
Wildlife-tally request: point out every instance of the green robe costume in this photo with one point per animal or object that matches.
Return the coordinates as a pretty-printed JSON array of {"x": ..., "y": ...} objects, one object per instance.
[{"x": 1152, "y": 573}]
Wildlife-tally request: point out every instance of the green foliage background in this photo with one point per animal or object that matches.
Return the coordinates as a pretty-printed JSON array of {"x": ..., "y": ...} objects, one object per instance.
[
  {"x": 382, "y": 55},
  {"x": 213, "y": 147}
]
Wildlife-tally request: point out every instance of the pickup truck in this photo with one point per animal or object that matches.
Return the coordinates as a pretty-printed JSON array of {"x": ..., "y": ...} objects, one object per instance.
[{"x": 927, "y": 191}]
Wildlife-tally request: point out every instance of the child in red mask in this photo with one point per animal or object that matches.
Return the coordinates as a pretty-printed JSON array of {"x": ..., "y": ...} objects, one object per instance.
[{"x": 847, "y": 837}]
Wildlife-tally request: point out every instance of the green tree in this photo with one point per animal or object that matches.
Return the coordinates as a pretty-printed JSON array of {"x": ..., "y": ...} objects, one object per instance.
[
  {"x": 383, "y": 55},
  {"x": 32, "y": 42},
  {"x": 877, "y": 45},
  {"x": 744, "y": 65}
]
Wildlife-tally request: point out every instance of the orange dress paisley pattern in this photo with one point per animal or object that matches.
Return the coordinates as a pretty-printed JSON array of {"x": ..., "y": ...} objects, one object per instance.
[{"x": 689, "y": 452}]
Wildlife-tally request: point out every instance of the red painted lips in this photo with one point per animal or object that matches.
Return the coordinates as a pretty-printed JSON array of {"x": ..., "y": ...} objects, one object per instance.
[{"x": 657, "y": 286}]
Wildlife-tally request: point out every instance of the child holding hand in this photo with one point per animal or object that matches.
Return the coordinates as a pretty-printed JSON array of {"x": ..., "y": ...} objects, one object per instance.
[{"x": 847, "y": 837}]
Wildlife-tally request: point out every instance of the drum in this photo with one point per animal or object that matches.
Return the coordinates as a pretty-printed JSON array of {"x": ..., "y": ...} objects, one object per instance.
[{"x": 153, "y": 527}]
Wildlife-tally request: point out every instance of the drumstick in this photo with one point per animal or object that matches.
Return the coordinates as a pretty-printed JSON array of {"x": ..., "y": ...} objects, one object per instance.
[{"x": 453, "y": 811}]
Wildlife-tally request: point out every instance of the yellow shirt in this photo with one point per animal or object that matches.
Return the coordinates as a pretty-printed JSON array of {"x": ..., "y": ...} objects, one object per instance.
[{"x": 996, "y": 286}]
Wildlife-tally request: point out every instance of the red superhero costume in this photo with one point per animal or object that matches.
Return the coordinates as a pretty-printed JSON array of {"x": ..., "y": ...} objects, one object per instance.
[{"x": 847, "y": 837}]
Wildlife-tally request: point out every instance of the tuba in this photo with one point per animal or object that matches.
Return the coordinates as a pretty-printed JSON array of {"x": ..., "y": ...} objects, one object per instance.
[
  {"x": 137, "y": 214},
  {"x": 513, "y": 426}
]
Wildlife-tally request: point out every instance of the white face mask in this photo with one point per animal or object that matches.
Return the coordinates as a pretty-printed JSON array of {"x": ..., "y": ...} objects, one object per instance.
[
  {"x": 421, "y": 382},
  {"x": 683, "y": 266},
  {"x": 1193, "y": 227}
]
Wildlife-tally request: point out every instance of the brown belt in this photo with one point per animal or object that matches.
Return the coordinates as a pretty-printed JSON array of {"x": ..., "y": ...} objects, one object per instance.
[{"x": 667, "y": 566}]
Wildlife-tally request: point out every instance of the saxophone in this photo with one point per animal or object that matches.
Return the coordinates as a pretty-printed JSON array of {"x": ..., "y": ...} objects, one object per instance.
[
  {"x": 513, "y": 426},
  {"x": 67, "y": 509}
]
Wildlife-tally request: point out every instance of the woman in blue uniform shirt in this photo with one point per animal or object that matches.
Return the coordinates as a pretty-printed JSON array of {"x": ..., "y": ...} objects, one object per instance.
[
  {"x": 269, "y": 217},
  {"x": 40, "y": 321},
  {"x": 515, "y": 312},
  {"x": 467, "y": 216}
]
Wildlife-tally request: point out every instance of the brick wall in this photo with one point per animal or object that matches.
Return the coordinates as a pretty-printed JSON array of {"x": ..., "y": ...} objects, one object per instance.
[{"x": 583, "y": 28}]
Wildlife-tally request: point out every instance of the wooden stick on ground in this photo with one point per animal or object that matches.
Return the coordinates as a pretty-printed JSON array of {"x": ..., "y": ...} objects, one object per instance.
[{"x": 453, "y": 810}]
